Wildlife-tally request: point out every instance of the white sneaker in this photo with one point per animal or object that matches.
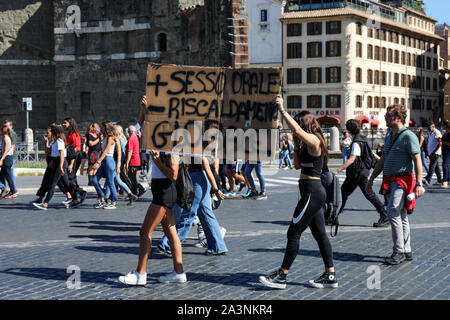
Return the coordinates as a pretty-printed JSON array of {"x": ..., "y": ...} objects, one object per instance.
[
  {"x": 134, "y": 279},
  {"x": 201, "y": 243},
  {"x": 223, "y": 231},
  {"x": 109, "y": 206},
  {"x": 445, "y": 185},
  {"x": 174, "y": 277}
]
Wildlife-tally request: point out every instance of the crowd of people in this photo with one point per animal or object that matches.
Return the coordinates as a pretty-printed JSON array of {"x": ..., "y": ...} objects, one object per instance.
[{"x": 114, "y": 154}]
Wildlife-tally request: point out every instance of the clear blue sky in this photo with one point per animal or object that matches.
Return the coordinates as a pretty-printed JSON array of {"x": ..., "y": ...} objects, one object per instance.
[{"x": 438, "y": 10}]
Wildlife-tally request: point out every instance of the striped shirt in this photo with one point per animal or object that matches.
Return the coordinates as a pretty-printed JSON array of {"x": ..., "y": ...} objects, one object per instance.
[{"x": 398, "y": 157}]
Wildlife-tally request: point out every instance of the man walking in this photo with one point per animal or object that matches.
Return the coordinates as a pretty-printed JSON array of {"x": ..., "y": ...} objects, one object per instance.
[
  {"x": 401, "y": 155},
  {"x": 358, "y": 172},
  {"x": 434, "y": 152}
]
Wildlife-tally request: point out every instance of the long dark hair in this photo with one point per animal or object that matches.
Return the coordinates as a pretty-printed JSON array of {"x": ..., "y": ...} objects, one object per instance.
[
  {"x": 73, "y": 128},
  {"x": 57, "y": 131},
  {"x": 109, "y": 129},
  {"x": 308, "y": 122},
  {"x": 8, "y": 132}
]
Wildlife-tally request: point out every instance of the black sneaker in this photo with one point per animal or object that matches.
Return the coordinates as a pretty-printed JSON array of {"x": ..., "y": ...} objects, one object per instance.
[
  {"x": 276, "y": 279},
  {"x": 83, "y": 196},
  {"x": 133, "y": 198},
  {"x": 395, "y": 258},
  {"x": 408, "y": 256},
  {"x": 166, "y": 252},
  {"x": 326, "y": 280},
  {"x": 383, "y": 222},
  {"x": 426, "y": 182}
]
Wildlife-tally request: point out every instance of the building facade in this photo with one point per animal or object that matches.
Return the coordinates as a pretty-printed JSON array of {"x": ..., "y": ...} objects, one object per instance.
[
  {"x": 351, "y": 59},
  {"x": 265, "y": 41}
]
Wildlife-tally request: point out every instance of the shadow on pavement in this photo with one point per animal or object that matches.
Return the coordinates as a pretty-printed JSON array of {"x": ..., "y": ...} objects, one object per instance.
[
  {"x": 108, "y": 238},
  {"x": 108, "y": 223},
  {"x": 336, "y": 255},
  {"x": 61, "y": 274}
]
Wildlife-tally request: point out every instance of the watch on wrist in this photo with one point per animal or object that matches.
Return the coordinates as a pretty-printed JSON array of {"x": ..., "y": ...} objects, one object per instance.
[
  {"x": 214, "y": 191},
  {"x": 419, "y": 184}
]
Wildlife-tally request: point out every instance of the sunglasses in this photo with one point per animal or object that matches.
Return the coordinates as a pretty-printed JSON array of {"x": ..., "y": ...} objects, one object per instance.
[{"x": 390, "y": 115}]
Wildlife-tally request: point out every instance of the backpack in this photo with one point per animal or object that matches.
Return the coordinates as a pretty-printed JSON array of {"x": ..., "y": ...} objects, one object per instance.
[
  {"x": 365, "y": 161},
  {"x": 185, "y": 188}
]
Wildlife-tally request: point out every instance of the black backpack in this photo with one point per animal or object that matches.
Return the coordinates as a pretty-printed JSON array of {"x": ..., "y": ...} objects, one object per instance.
[
  {"x": 185, "y": 188},
  {"x": 365, "y": 161}
]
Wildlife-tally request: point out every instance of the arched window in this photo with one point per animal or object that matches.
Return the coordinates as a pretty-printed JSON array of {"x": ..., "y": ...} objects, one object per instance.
[{"x": 162, "y": 42}]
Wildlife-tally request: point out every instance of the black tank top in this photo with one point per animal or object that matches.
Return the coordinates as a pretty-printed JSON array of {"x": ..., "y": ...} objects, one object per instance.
[{"x": 311, "y": 166}]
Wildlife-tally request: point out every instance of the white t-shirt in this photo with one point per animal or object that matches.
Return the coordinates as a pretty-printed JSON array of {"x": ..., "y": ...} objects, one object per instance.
[
  {"x": 10, "y": 150},
  {"x": 356, "y": 150},
  {"x": 433, "y": 142},
  {"x": 56, "y": 147},
  {"x": 156, "y": 172}
]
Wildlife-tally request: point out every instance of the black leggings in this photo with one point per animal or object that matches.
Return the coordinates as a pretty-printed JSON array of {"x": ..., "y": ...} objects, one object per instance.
[{"x": 308, "y": 213}]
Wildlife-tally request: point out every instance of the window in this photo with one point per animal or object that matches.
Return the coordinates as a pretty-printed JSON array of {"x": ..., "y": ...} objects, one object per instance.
[
  {"x": 294, "y": 75},
  {"x": 294, "y": 102},
  {"x": 403, "y": 80},
  {"x": 383, "y": 78},
  {"x": 333, "y": 75},
  {"x": 333, "y": 48},
  {"x": 85, "y": 99},
  {"x": 435, "y": 85},
  {"x": 369, "y": 51},
  {"x": 314, "y": 75},
  {"x": 369, "y": 102},
  {"x": 377, "y": 77},
  {"x": 383, "y": 102},
  {"x": 396, "y": 80},
  {"x": 333, "y": 101},
  {"x": 314, "y": 28},
  {"x": 369, "y": 33},
  {"x": 428, "y": 83},
  {"x": 333, "y": 27},
  {"x": 403, "y": 57},
  {"x": 390, "y": 55},
  {"x": 419, "y": 61},
  {"x": 359, "y": 29},
  {"x": 263, "y": 15},
  {"x": 447, "y": 99},
  {"x": 395, "y": 100},
  {"x": 419, "y": 82},
  {"x": 428, "y": 63},
  {"x": 369, "y": 76},
  {"x": 358, "y": 103},
  {"x": 162, "y": 42},
  {"x": 358, "y": 75},
  {"x": 359, "y": 49},
  {"x": 314, "y": 101},
  {"x": 314, "y": 49},
  {"x": 377, "y": 102},
  {"x": 403, "y": 101},
  {"x": 294, "y": 29},
  {"x": 377, "y": 53},
  {"x": 413, "y": 60},
  {"x": 395, "y": 37},
  {"x": 435, "y": 64},
  {"x": 377, "y": 34},
  {"x": 382, "y": 34},
  {"x": 408, "y": 59},
  {"x": 408, "y": 84},
  {"x": 396, "y": 56},
  {"x": 429, "y": 105},
  {"x": 294, "y": 50},
  {"x": 388, "y": 36},
  {"x": 383, "y": 54}
]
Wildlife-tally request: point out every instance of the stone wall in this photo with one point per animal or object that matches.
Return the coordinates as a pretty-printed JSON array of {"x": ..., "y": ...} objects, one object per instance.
[{"x": 26, "y": 66}]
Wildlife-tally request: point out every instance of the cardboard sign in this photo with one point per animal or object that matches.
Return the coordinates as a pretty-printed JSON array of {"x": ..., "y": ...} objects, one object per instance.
[{"x": 201, "y": 98}]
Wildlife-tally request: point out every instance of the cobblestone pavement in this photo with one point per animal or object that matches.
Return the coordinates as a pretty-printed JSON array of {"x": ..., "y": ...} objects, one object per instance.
[{"x": 37, "y": 247}]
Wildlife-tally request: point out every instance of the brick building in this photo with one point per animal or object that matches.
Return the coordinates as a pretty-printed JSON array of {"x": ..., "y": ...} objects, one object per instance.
[{"x": 96, "y": 70}]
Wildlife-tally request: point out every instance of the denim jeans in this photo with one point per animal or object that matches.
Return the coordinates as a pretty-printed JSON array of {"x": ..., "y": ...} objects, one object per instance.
[
  {"x": 107, "y": 170},
  {"x": 258, "y": 168},
  {"x": 344, "y": 154},
  {"x": 446, "y": 166},
  {"x": 12, "y": 171},
  {"x": 285, "y": 155},
  {"x": 424, "y": 161},
  {"x": 6, "y": 177},
  {"x": 201, "y": 206},
  {"x": 119, "y": 182}
]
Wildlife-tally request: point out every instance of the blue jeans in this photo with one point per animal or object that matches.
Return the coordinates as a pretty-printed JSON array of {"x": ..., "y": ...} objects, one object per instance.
[
  {"x": 424, "y": 161},
  {"x": 284, "y": 155},
  {"x": 344, "y": 154},
  {"x": 12, "y": 171},
  {"x": 107, "y": 170},
  {"x": 258, "y": 168},
  {"x": 201, "y": 206},
  {"x": 119, "y": 182},
  {"x": 446, "y": 166}
]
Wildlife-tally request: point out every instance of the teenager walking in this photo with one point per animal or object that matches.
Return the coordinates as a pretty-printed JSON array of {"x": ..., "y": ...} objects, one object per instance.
[
  {"x": 133, "y": 162},
  {"x": 6, "y": 163},
  {"x": 14, "y": 157},
  {"x": 446, "y": 154},
  {"x": 57, "y": 164},
  {"x": 357, "y": 173},
  {"x": 423, "y": 143},
  {"x": 434, "y": 153},
  {"x": 311, "y": 156},
  {"x": 164, "y": 175},
  {"x": 106, "y": 167},
  {"x": 93, "y": 140}
]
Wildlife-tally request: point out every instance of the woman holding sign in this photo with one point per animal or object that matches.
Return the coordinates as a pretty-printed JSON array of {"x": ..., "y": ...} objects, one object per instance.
[
  {"x": 164, "y": 175},
  {"x": 310, "y": 155}
]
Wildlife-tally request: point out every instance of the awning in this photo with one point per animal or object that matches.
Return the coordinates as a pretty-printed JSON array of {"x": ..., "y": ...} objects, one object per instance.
[
  {"x": 362, "y": 119},
  {"x": 374, "y": 122},
  {"x": 329, "y": 120}
]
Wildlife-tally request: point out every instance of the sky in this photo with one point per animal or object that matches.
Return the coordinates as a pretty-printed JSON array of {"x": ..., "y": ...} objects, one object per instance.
[{"x": 438, "y": 10}]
